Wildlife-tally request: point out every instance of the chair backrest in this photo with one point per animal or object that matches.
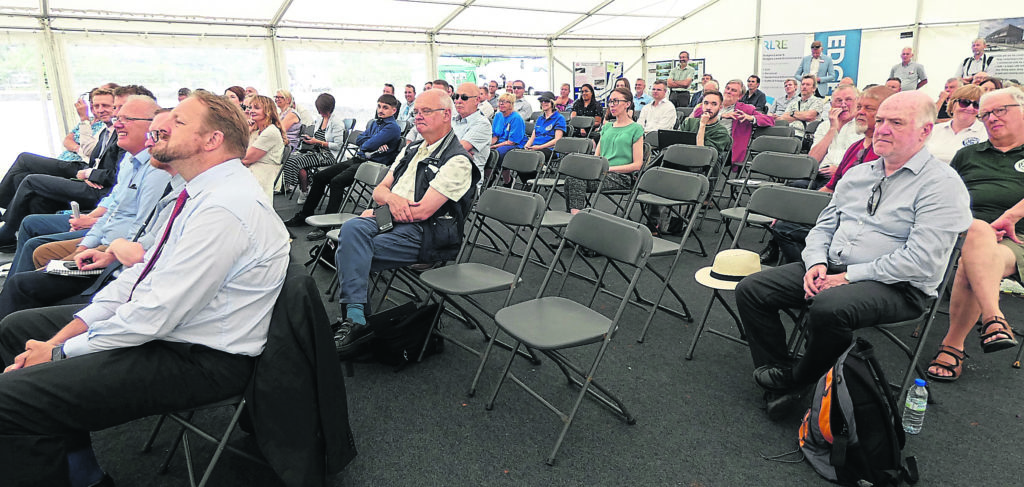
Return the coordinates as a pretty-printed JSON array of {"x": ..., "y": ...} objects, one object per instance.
[
  {"x": 652, "y": 138},
  {"x": 521, "y": 160},
  {"x": 784, "y": 166},
  {"x": 511, "y": 206},
  {"x": 781, "y": 123},
  {"x": 583, "y": 166},
  {"x": 674, "y": 184},
  {"x": 530, "y": 125},
  {"x": 404, "y": 126},
  {"x": 689, "y": 155},
  {"x": 371, "y": 173},
  {"x": 352, "y": 136},
  {"x": 591, "y": 228},
  {"x": 684, "y": 111},
  {"x": 535, "y": 115},
  {"x": 789, "y": 204},
  {"x": 574, "y": 145},
  {"x": 811, "y": 127},
  {"x": 775, "y": 131},
  {"x": 581, "y": 122},
  {"x": 307, "y": 129},
  {"x": 786, "y": 145},
  {"x": 349, "y": 123},
  {"x": 566, "y": 114}
]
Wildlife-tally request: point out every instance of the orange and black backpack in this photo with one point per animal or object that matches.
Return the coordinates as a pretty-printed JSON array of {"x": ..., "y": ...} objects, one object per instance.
[{"x": 853, "y": 433}]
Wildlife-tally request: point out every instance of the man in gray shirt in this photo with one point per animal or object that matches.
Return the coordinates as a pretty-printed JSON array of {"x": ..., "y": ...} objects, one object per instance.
[
  {"x": 523, "y": 107},
  {"x": 910, "y": 74},
  {"x": 470, "y": 126},
  {"x": 876, "y": 255}
]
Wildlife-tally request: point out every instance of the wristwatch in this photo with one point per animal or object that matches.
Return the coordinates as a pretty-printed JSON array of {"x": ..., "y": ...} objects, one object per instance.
[{"x": 58, "y": 353}]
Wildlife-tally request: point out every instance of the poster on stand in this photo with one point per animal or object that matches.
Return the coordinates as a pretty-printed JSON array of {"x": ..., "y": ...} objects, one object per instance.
[
  {"x": 1004, "y": 39},
  {"x": 780, "y": 58},
  {"x": 600, "y": 75},
  {"x": 660, "y": 69},
  {"x": 843, "y": 46}
]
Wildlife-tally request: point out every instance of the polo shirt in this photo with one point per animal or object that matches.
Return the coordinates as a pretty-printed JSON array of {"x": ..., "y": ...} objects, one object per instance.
[
  {"x": 944, "y": 143},
  {"x": 994, "y": 179}
]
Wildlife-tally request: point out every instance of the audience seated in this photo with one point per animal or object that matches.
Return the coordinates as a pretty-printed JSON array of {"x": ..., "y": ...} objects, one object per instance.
[
  {"x": 619, "y": 83},
  {"x": 179, "y": 332},
  {"x": 894, "y": 84},
  {"x": 780, "y": 104},
  {"x": 327, "y": 142},
  {"x": 993, "y": 249},
  {"x": 410, "y": 97},
  {"x": 522, "y": 106},
  {"x": 754, "y": 96},
  {"x": 550, "y": 127},
  {"x": 289, "y": 117},
  {"x": 622, "y": 143},
  {"x": 429, "y": 193},
  {"x": 659, "y": 114},
  {"x": 81, "y": 141},
  {"x": 470, "y": 126},
  {"x": 378, "y": 143},
  {"x": 698, "y": 99},
  {"x": 807, "y": 108},
  {"x": 564, "y": 101},
  {"x": 131, "y": 203},
  {"x": 834, "y": 134},
  {"x": 990, "y": 84},
  {"x": 237, "y": 95},
  {"x": 863, "y": 264},
  {"x": 266, "y": 144},
  {"x": 739, "y": 119},
  {"x": 641, "y": 98},
  {"x": 963, "y": 129},
  {"x": 951, "y": 85},
  {"x": 492, "y": 90},
  {"x": 508, "y": 131},
  {"x": 484, "y": 107},
  {"x": 587, "y": 105},
  {"x": 183, "y": 93}
]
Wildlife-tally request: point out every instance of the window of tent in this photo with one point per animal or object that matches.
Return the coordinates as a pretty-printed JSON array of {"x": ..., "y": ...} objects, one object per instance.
[{"x": 25, "y": 98}]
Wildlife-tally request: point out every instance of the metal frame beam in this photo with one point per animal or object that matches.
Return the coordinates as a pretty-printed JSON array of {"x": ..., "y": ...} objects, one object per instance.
[
  {"x": 583, "y": 17},
  {"x": 680, "y": 20},
  {"x": 283, "y": 9},
  {"x": 455, "y": 13}
]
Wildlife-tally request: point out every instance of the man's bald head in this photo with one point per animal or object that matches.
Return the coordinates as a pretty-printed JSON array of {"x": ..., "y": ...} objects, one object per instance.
[{"x": 434, "y": 118}]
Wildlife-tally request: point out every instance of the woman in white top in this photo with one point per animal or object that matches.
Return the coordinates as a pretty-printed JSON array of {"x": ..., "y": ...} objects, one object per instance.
[
  {"x": 266, "y": 142},
  {"x": 963, "y": 129}
]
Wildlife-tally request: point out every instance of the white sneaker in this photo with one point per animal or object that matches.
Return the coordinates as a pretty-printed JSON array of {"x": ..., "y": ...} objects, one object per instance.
[
  {"x": 302, "y": 197},
  {"x": 1010, "y": 286}
]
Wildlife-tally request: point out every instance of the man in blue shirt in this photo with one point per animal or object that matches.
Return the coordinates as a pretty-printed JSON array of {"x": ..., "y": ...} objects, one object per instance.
[
  {"x": 640, "y": 99},
  {"x": 378, "y": 143},
  {"x": 876, "y": 255},
  {"x": 818, "y": 66}
]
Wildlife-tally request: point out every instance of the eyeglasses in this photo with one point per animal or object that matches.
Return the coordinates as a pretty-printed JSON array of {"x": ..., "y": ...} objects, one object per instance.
[
  {"x": 967, "y": 103},
  {"x": 425, "y": 111},
  {"x": 153, "y": 136},
  {"x": 998, "y": 112},
  {"x": 616, "y": 102},
  {"x": 246, "y": 107},
  {"x": 133, "y": 119},
  {"x": 876, "y": 197},
  {"x": 461, "y": 96},
  {"x": 278, "y": 97},
  {"x": 518, "y": 88}
]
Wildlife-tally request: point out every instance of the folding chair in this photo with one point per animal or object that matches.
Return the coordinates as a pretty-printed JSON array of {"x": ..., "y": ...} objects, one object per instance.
[
  {"x": 695, "y": 159},
  {"x": 684, "y": 111},
  {"x": 285, "y": 154},
  {"x": 551, "y": 324},
  {"x": 349, "y": 149},
  {"x": 579, "y": 124},
  {"x": 782, "y": 203},
  {"x": 774, "y": 131},
  {"x": 581, "y": 166},
  {"x": 563, "y": 147},
  {"x": 778, "y": 168},
  {"x": 530, "y": 125},
  {"x": 534, "y": 116},
  {"x": 672, "y": 189},
  {"x": 515, "y": 209}
]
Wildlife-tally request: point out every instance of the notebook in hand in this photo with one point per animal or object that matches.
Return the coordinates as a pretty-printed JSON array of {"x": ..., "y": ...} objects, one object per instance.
[{"x": 68, "y": 268}]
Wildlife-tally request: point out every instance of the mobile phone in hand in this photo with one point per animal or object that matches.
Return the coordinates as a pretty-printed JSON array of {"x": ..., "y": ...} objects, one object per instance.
[
  {"x": 76, "y": 212},
  {"x": 384, "y": 220}
]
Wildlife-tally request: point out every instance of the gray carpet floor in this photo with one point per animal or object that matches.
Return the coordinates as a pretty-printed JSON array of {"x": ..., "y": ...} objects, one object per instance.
[{"x": 698, "y": 423}]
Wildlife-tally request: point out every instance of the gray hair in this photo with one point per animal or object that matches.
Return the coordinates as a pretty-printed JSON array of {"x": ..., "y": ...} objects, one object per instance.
[
  {"x": 1015, "y": 93},
  {"x": 736, "y": 82}
]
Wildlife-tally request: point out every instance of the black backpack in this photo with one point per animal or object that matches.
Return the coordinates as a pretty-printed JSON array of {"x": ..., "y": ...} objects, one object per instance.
[
  {"x": 853, "y": 432},
  {"x": 399, "y": 333}
]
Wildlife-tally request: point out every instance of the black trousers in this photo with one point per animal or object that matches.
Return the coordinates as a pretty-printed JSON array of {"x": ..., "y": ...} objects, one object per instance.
[
  {"x": 679, "y": 99},
  {"x": 339, "y": 177},
  {"x": 35, "y": 289},
  {"x": 46, "y": 410},
  {"x": 42, "y": 193},
  {"x": 28, "y": 163},
  {"x": 832, "y": 316},
  {"x": 789, "y": 236}
]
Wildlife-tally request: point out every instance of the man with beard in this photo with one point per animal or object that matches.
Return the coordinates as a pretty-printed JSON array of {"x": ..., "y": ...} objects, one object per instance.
[
  {"x": 707, "y": 124},
  {"x": 181, "y": 331}
]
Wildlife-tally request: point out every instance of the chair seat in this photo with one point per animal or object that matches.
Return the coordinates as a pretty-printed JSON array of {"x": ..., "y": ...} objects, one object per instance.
[
  {"x": 736, "y": 213},
  {"x": 651, "y": 199},
  {"x": 546, "y": 182},
  {"x": 552, "y": 322},
  {"x": 333, "y": 235},
  {"x": 753, "y": 183},
  {"x": 664, "y": 247},
  {"x": 555, "y": 219},
  {"x": 329, "y": 220},
  {"x": 467, "y": 278}
]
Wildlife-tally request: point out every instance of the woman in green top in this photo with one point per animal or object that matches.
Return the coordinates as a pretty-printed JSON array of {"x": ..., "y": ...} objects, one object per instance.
[{"x": 622, "y": 143}]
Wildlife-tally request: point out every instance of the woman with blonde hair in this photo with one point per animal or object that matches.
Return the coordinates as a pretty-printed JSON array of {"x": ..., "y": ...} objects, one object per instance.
[
  {"x": 289, "y": 117},
  {"x": 963, "y": 129},
  {"x": 266, "y": 142}
]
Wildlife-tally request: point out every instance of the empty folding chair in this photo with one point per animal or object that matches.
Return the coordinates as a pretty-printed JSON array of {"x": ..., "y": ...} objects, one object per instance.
[
  {"x": 775, "y": 131},
  {"x": 695, "y": 159},
  {"x": 587, "y": 168},
  {"x": 673, "y": 190},
  {"x": 552, "y": 324},
  {"x": 778, "y": 169},
  {"x": 784, "y": 203},
  {"x": 580, "y": 125},
  {"x": 563, "y": 147}
]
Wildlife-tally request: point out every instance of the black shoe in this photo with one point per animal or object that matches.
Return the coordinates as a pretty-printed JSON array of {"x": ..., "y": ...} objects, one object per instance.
[
  {"x": 350, "y": 337},
  {"x": 779, "y": 406},
  {"x": 299, "y": 220},
  {"x": 770, "y": 253},
  {"x": 675, "y": 226},
  {"x": 317, "y": 234},
  {"x": 9, "y": 248},
  {"x": 776, "y": 379}
]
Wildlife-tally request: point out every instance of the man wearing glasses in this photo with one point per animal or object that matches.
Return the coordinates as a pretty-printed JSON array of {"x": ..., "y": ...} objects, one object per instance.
[
  {"x": 428, "y": 194},
  {"x": 470, "y": 126},
  {"x": 522, "y": 107},
  {"x": 818, "y": 66},
  {"x": 993, "y": 249},
  {"x": 876, "y": 255}
]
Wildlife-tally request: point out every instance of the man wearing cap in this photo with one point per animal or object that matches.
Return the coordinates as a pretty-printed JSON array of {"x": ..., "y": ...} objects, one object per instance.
[
  {"x": 876, "y": 254},
  {"x": 819, "y": 66}
]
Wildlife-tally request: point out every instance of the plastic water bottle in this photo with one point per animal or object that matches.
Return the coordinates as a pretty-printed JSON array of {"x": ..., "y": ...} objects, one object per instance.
[{"x": 913, "y": 411}]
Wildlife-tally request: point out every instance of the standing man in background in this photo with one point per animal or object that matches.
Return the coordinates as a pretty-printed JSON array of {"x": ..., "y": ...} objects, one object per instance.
[
  {"x": 679, "y": 80},
  {"x": 910, "y": 74},
  {"x": 818, "y": 66}
]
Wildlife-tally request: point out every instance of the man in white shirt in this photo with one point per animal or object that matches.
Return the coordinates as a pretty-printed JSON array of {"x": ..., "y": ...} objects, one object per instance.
[
  {"x": 978, "y": 62},
  {"x": 470, "y": 126},
  {"x": 805, "y": 109},
  {"x": 179, "y": 331},
  {"x": 410, "y": 102},
  {"x": 835, "y": 134},
  {"x": 660, "y": 114}
]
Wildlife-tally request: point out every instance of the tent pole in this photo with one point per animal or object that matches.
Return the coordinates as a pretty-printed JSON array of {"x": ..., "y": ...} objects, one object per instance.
[
  {"x": 917, "y": 25},
  {"x": 551, "y": 65},
  {"x": 279, "y": 76},
  {"x": 643, "y": 60},
  {"x": 432, "y": 73},
  {"x": 757, "y": 37},
  {"x": 56, "y": 73}
]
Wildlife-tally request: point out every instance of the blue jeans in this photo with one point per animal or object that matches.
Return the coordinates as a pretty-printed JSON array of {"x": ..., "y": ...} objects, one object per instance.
[
  {"x": 37, "y": 230},
  {"x": 363, "y": 249}
]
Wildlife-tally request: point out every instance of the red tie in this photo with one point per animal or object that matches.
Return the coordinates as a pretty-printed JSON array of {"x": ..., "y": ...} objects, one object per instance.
[{"x": 160, "y": 246}]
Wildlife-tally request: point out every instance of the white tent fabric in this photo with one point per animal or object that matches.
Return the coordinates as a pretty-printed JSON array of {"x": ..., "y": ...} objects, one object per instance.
[{"x": 54, "y": 50}]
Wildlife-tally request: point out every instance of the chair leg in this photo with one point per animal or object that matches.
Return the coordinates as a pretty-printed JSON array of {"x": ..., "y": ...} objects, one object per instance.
[
  {"x": 700, "y": 328},
  {"x": 725, "y": 231},
  {"x": 222, "y": 443},
  {"x": 508, "y": 366},
  {"x": 152, "y": 434}
]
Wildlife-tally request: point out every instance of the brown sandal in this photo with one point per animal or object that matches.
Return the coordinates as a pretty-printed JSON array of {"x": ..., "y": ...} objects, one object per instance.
[
  {"x": 955, "y": 369},
  {"x": 1004, "y": 335}
]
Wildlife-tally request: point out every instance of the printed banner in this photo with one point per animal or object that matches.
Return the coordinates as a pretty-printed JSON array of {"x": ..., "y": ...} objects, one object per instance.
[
  {"x": 660, "y": 69},
  {"x": 1004, "y": 39},
  {"x": 780, "y": 58},
  {"x": 600, "y": 75},
  {"x": 843, "y": 46}
]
